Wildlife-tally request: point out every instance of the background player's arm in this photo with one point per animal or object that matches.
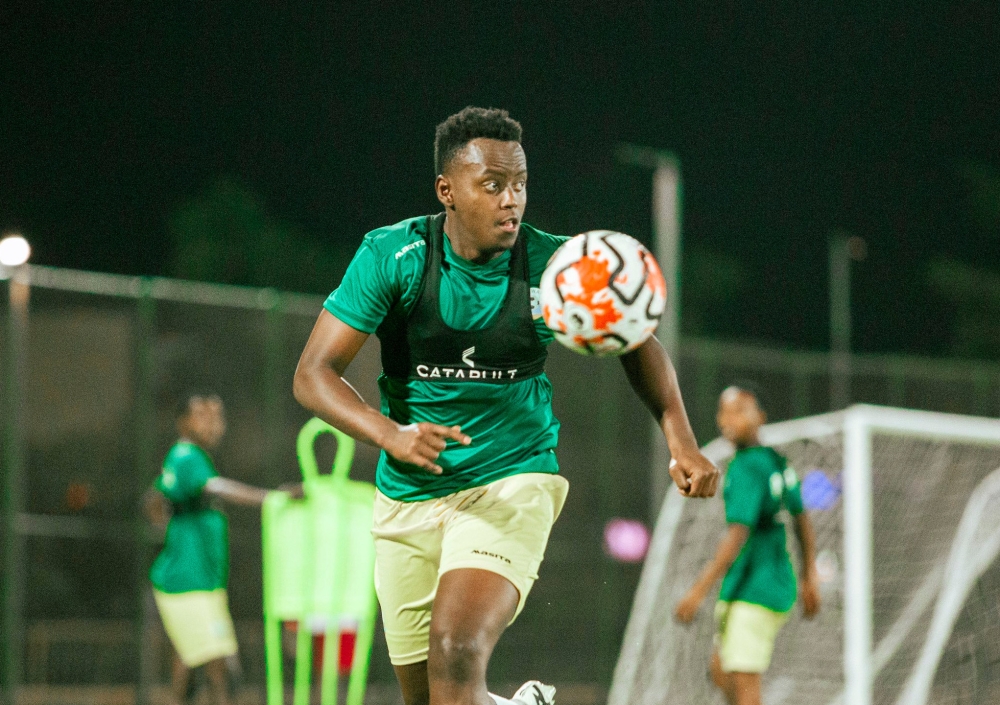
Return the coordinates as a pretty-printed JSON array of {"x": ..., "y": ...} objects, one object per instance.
[
  {"x": 235, "y": 492},
  {"x": 810, "y": 582},
  {"x": 729, "y": 549},
  {"x": 652, "y": 376},
  {"x": 321, "y": 388},
  {"x": 157, "y": 508}
]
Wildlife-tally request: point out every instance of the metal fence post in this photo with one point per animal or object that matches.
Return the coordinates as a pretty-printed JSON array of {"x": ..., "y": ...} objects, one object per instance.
[
  {"x": 706, "y": 389},
  {"x": 608, "y": 507},
  {"x": 145, "y": 449},
  {"x": 15, "y": 367},
  {"x": 273, "y": 383},
  {"x": 897, "y": 385},
  {"x": 800, "y": 390}
]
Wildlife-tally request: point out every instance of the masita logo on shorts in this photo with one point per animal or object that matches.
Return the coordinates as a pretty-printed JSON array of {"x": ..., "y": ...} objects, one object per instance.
[
  {"x": 488, "y": 554},
  {"x": 461, "y": 373}
]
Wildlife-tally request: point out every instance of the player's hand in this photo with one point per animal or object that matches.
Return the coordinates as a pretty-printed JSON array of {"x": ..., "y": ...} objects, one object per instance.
[
  {"x": 810, "y": 597},
  {"x": 295, "y": 490},
  {"x": 420, "y": 444},
  {"x": 687, "y": 608},
  {"x": 694, "y": 474}
]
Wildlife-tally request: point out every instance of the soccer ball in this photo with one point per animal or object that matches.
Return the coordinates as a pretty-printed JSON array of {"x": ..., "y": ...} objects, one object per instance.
[{"x": 602, "y": 293}]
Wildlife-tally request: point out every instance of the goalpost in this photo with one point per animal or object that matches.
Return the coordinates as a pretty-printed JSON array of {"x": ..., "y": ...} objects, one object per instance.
[{"x": 906, "y": 506}]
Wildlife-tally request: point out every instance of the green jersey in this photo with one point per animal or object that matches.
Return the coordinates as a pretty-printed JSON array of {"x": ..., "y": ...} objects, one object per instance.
[
  {"x": 195, "y": 554},
  {"x": 512, "y": 427},
  {"x": 758, "y": 483}
]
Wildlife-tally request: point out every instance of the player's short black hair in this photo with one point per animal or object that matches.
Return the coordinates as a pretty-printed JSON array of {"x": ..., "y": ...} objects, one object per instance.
[
  {"x": 183, "y": 405},
  {"x": 468, "y": 124},
  {"x": 749, "y": 387}
]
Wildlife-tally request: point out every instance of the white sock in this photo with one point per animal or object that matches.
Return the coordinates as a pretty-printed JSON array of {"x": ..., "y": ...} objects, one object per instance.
[{"x": 501, "y": 701}]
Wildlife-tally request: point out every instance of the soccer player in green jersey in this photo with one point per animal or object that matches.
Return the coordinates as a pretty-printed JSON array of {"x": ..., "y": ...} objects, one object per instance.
[
  {"x": 190, "y": 574},
  {"x": 758, "y": 590},
  {"x": 467, "y": 479}
]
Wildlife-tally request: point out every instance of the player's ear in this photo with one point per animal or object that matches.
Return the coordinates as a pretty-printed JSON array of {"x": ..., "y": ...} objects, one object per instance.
[
  {"x": 443, "y": 189},
  {"x": 763, "y": 416}
]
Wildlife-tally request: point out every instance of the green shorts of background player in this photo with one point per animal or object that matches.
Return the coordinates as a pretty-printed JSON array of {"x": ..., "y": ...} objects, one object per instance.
[
  {"x": 191, "y": 572},
  {"x": 467, "y": 478},
  {"x": 758, "y": 590}
]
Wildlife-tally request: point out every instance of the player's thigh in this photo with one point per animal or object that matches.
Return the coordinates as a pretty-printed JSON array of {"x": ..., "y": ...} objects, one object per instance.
[
  {"x": 505, "y": 530},
  {"x": 472, "y": 607},
  {"x": 745, "y": 636},
  {"x": 407, "y": 556},
  {"x": 198, "y": 624}
]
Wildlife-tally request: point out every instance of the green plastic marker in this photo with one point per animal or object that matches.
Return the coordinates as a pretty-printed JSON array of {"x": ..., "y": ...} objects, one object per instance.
[{"x": 319, "y": 562}]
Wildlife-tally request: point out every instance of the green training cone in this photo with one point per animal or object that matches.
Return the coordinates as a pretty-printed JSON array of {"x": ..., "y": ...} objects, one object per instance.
[{"x": 319, "y": 561}]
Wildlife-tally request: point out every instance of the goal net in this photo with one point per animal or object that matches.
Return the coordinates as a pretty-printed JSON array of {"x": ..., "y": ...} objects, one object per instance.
[{"x": 906, "y": 506}]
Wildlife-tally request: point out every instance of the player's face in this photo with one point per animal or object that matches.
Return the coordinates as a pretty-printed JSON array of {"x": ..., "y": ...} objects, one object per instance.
[
  {"x": 485, "y": 191},
  {"x": 205, "y": 423},
  {"x": 739, "y": 417}
]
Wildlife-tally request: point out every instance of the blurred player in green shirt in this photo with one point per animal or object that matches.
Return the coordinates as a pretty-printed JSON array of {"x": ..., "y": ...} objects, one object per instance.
[
  {"x": 468, "y": 483},
  {"x": 758, "y": 590},
  {"x": 190, "y": 574}
]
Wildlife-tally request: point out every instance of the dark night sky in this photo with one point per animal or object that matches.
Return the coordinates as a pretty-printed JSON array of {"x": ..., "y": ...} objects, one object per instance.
[{"x": 790, "y": 120}]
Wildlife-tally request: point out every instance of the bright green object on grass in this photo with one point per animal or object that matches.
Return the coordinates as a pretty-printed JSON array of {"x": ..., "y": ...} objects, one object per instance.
[{"x": 319, "y": 562}]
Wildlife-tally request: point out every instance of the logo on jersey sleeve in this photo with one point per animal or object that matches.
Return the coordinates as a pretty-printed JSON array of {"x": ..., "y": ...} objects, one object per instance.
[
  {"x": 777, "y": 485},
  {"x": 536, "y": 302},
  {"x": 411, "y": 246},
  {"x": 467, "y": 356}
]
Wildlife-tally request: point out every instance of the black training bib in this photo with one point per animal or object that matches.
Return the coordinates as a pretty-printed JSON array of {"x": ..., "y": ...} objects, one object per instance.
[{"x": 420, "y": 345}]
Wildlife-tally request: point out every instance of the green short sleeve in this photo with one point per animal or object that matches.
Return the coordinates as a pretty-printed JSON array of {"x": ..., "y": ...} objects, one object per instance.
[
  {"x": 364, "y": 297},
  {"x": 792, "y": 496},
  {"x": 743, "y": 493},
  {"x": 185, "y": 471}
]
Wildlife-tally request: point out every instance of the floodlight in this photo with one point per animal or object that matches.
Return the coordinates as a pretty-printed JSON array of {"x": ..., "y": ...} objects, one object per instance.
[{"x": 14, "y": 251}]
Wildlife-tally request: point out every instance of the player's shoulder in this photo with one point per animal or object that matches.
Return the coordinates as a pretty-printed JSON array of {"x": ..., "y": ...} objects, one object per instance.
[
  {"x": 757, "y": 460},
  {"x": 397, "y": 240},
  {"x": 545, "y": 243},
  {"x": 185, "y": 453}
]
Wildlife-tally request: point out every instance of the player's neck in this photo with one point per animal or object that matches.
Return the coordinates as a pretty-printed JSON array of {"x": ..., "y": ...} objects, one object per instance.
[
  {"x": 193, "y": 440},
  {"x": 461, "y": 243},
  {"x": 752, "y": 442}
]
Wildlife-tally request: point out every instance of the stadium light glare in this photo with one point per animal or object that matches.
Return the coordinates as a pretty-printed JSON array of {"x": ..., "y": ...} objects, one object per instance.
[
  {"x": 626, "y": 540},
  {"x": 14, "y": 251}
]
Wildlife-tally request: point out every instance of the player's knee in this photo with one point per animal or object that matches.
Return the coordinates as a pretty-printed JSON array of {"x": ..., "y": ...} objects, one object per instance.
[{"x": 457, "y": 657}]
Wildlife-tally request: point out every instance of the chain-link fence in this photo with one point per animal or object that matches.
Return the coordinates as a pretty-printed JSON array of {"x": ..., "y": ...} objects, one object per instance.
[{"x": 88, "y": 415}]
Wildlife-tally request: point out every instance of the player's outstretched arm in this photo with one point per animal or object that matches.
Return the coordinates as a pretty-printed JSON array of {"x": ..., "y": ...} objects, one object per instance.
[
  {"x": 235, "y": 492},
  {"x": 320, "y": 387},
  {"x": 810, "y": 581},
  {"x": 729, "y": 549},
  {"x": 654, "y": 380}
]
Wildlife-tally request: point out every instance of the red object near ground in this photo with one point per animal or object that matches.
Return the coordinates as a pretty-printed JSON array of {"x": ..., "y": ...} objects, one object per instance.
[{"x": 347, "y": 642}]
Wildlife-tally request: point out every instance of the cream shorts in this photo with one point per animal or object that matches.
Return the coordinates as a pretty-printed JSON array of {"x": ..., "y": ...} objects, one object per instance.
[
  {"x": 198, "y": 624},
  {"x": 745, "y": 635},
  {"x": 502, "y": 527}
]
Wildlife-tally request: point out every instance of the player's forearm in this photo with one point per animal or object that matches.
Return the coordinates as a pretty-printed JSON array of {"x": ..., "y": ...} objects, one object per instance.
[
  {"x": 652, "y": 376},
  {"x": 807, "y": 543},
  {"x": 236, "y": 492},
  {"x": 321, "y": 390},
  {"x": 727, "y": 552}
]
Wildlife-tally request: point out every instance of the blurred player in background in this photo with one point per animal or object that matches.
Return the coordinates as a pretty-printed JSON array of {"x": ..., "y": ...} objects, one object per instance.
[
  {"x": 467, "y": 481},
  {"x": 191, "y": 572},
  {"x": 758, "y": 590}
]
